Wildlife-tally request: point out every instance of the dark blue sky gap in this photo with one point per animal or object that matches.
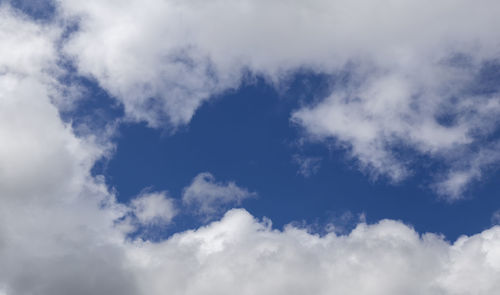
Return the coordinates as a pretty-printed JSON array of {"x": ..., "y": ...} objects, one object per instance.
[
  {"x": 247, "y": 137},
  {"x": 40, "y": 10}
]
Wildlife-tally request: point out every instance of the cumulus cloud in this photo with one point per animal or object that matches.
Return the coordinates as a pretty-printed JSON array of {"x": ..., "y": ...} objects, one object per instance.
[
  {"x": 54, "y": 236},
  {"x": 209, "y": 197},
  {"x": 160, "y": 57},
  {"x": 239, "y": 254},
  {"x": 153, "y": 208},
  {"x": 38, "y": 149},
  {"x": 414, "y": 69}
]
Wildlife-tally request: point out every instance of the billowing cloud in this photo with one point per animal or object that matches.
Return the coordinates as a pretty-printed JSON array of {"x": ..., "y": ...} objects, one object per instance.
[
  {"x": 54, "y": 238},
  {"x": 240, "y": 254},
  {"x": 161, "y": 57},
  {"x": 208, "y": 197}
]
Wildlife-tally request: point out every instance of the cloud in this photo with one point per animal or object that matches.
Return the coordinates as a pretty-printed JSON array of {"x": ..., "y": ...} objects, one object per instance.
[
  {"x": 415, "y": 71},
  {"x": 160, "y": 58},
  {"x": 476, "y": 164},
  {"x": 153, "y": 208},
  {"x": 495, "y": 218},
  {"x": 387, "y": 115},
  {"x": 56, "y": 220},
  {"x": 209, "y": 197},
  {"x": 308, "y": 166},
  {"x": 241, "y": 254},
  {"x": 38, "y": 149}
]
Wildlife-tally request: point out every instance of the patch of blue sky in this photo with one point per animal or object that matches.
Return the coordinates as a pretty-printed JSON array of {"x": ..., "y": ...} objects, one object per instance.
[
  {"x": 247, "y": 137},
  {"x": 40, "y": 10}
]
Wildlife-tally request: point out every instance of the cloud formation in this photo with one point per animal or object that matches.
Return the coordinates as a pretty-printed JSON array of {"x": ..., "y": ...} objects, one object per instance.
[
  {"x": 240, "y": 254},
  {"x": 61, "y": 229},
  {"x": 406, "y": 74},
  {"x": 54, "y": 236}
]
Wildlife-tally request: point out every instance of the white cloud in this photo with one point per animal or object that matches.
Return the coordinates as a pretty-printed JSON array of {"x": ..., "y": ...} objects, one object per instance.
[
  {"x": 472, "y": 166},
  {"x": 54, "y": 238},
  {"x": 209, "y": 197},
  {"x": 410, "y": 64},
  {"x": 153, "y": 208},
  {"x": 38, "y": 149},
  {"x": 162, "y": 57},
  {"x": 241, "y": 255},
  {"x": 373, "y": 121}
]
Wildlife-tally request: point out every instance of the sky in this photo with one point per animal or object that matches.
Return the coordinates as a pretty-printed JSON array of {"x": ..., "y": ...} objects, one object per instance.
[{"x": 250, "y": 146}]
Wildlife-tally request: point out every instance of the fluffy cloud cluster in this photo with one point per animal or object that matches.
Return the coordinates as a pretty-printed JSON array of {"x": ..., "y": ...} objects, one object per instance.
[
  {"x": 406, "y": 74},
  {"x": 204, "y": 198},
  {"x": 62, "y": 231},
  {"x": 241, "y": 255}
]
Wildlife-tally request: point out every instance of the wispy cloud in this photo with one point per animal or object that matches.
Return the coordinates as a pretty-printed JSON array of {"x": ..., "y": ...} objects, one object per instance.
[
  {"x": 495, "y": 218},
  {"x": 308, "y": 166},
  {"x": 208, "y": 198}
]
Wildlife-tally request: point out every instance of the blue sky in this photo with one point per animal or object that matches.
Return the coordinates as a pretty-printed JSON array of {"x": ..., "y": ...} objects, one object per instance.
[
  {"x": 251, "y": 146},
  {"x": 246, "y": 136}
]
